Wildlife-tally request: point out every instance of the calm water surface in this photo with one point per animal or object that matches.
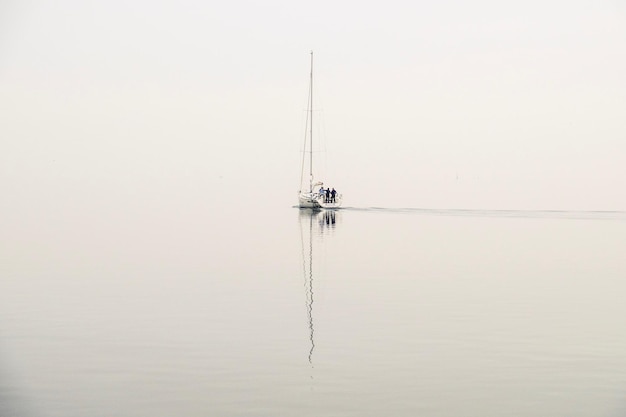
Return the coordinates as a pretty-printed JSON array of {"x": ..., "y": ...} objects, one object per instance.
[{"x": 285, "y": 312}]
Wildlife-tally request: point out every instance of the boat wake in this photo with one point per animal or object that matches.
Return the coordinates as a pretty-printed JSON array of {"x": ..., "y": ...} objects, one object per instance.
[{"x": 533, "y": 214}]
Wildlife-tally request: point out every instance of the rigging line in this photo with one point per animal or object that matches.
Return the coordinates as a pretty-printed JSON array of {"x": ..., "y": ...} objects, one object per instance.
[
  {"x": 306, "y": 128},
  {"x": 321, "y": 141},
  {"x": 311, "y": 135}
]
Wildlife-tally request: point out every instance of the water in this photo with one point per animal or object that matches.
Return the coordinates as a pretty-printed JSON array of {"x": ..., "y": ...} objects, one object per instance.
[{"x": 196, "y": 310}]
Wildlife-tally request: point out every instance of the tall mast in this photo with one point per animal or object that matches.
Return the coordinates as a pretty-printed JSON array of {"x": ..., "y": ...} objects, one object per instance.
[{"x": 311, "y": 132}]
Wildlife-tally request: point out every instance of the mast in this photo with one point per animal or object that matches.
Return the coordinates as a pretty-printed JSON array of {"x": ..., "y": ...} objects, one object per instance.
[{"x": 311, "y": 131}]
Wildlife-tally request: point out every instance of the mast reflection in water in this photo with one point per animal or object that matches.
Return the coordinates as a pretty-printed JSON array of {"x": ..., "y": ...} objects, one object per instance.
[{"x": 325, "y": 222}]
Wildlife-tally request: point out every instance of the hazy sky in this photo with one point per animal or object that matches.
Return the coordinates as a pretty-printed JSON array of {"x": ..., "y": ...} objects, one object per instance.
[{"x": 452, "y": 104}]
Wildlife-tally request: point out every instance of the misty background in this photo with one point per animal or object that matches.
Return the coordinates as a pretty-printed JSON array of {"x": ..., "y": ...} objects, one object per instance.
[
  {"x": 457, "y": 104},
  {"x": 152, "y": 260}
]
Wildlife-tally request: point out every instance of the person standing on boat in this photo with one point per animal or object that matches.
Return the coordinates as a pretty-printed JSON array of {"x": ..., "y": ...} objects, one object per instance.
[
  {"x": 332, "y": 195},
  {"x": 328, "y": 195},
  {"x": 321, "y": 192}
]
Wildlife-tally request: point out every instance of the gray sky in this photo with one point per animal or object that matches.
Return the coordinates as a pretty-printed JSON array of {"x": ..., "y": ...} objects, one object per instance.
[{"x": 482, "y": 104}]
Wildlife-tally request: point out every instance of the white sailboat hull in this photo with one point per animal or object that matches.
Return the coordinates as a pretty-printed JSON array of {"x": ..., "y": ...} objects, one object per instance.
[
  {"x": 309, "y": 200},
  {"x": 316, "y": 201}
]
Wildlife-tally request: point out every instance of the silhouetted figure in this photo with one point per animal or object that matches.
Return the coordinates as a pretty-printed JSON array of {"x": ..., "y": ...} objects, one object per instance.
[
  {"x": 332, "y": 195},
  {"x": 328, "y": 195}
]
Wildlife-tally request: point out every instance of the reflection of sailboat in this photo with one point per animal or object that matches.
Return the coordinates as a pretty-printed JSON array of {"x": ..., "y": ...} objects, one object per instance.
[
  {"x": 306, "y": 219},
  {"x": 325, "y": 221},
  {"x": 307, "y": 196},
  {"x": 328, "y": 219}
]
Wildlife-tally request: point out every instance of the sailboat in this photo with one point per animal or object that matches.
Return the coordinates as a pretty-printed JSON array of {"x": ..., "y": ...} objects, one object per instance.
[{"x": 308, "y": 197}]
